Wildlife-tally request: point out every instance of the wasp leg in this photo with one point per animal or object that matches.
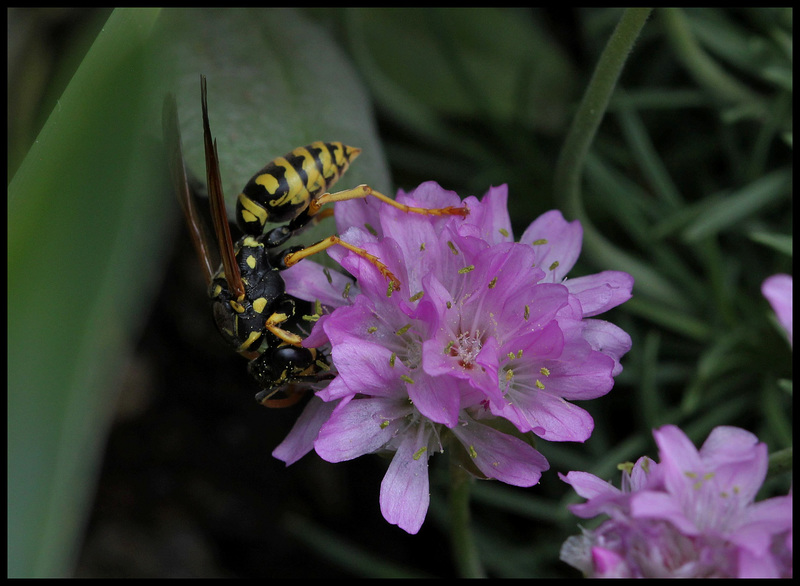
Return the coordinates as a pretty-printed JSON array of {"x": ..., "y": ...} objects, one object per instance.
[
  {"x": 363, "y": 191},
  {"x": 292, "y": 258},
  {"x": 272, "y": 326},
  {"x": 264, "y": 397},
  {"x": 294, "y": 394}
]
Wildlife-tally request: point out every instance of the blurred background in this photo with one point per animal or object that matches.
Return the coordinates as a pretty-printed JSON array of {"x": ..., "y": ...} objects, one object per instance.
[{"x": 135, "y": 446}]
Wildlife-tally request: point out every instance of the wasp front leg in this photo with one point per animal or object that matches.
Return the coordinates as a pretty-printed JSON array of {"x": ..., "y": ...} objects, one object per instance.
[
  {"x": 292, "y": 256},
  {"x": 273, "y": 326}
]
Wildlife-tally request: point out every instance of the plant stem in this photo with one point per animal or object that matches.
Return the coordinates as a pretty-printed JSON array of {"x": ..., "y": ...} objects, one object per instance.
[
  {"x": 594, "y": 104},
  {"x": 571, "y": 161},
  {"x": 465, "y": 553}
]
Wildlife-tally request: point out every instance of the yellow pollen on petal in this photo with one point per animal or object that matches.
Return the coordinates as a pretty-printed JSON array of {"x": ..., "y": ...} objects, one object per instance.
[
  {"x": 472, "y": 453},
  {"x": 419, "y": 452},
  {"x": 539, "y": 384},
  {"x": 544, "y": 371}
]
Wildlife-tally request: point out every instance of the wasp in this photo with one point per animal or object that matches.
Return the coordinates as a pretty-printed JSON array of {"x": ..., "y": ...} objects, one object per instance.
[{"x": 250, "y": 305}]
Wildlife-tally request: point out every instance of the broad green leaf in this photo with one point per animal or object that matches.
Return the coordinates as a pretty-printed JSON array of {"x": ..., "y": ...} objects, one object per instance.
[
  {"x": 276, "y": 81},
  {"x": 85, "y": 236},
  {"x": 88, "y": 216}
]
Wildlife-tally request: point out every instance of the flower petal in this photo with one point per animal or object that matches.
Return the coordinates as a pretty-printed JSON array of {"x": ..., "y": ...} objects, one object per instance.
[
  {"x": 501, "y": 456},
  {"x": 436, "y": 398},
  {"x": 557, "y": 243},
  {"x": 551, "y": 418},
  {"x": 366, "y": 367},
  {"x": 311, "y": 281},
  {"x": 489, "y": 218},
  {"x": 301, "y": 438},
  {"x": 358, "y": 427},
  {"x": 602, "y": 291},
  {"x": 405, "y": 492},
  {"x": 778, "y": 291},
  {"x": 738, "y": 459},
  {"x": 607, "y": 338}
]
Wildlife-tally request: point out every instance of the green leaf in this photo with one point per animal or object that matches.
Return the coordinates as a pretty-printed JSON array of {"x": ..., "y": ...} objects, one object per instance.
[
  {"x": 736, "y": 207},
  {"x": 276, "y": 81},
  {"x": 79, "y": 274},
  {"x": 498, "y": 64},
  {"x": 88, "y": 214}
]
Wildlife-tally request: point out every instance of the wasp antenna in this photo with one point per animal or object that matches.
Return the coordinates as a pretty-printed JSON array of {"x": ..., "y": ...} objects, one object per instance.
[{"x": 219, "y": 215}]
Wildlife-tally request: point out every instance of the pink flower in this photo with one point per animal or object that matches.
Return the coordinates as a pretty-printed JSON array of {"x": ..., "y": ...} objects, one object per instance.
[
  {"x": 691, "y": 515},
  {"x": 778, "y": 291},
  {"x": 482, "y": 329}
]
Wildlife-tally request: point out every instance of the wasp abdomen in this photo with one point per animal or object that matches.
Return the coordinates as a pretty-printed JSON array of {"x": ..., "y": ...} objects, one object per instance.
[{"x": 285, "y": 186}]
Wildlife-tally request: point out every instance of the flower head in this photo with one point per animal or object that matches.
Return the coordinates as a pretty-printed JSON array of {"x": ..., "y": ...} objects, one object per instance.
[
  {"x": 482, "y": 330},
  {"x": 690, "y": 515}
]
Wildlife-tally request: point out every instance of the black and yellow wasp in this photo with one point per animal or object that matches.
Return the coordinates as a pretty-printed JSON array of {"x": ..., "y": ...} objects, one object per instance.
[{"x": 251, "y": 308}]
